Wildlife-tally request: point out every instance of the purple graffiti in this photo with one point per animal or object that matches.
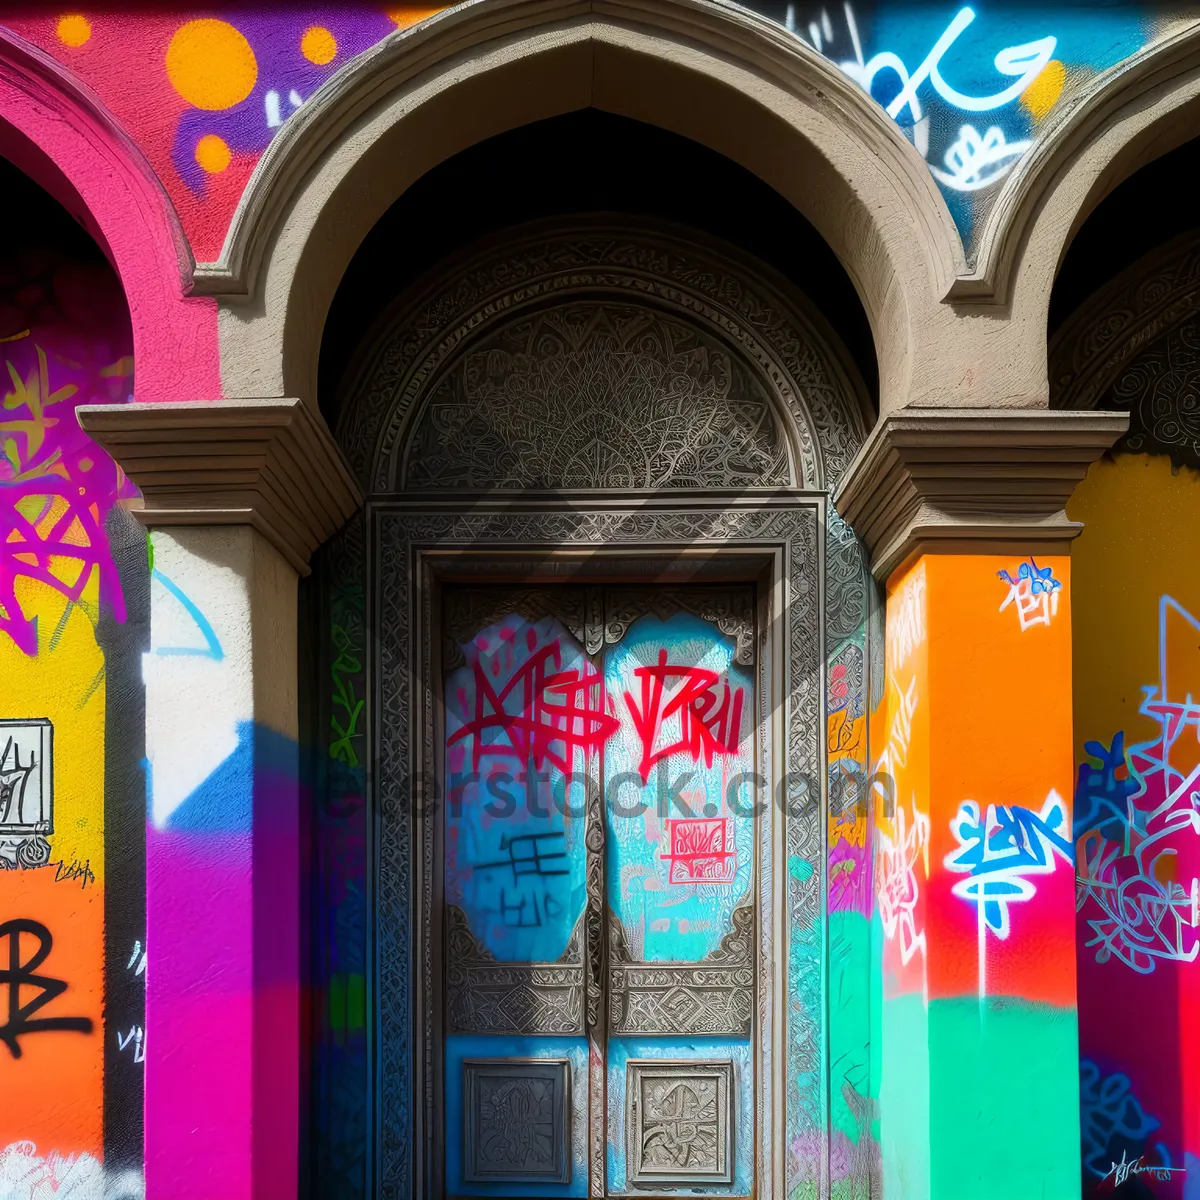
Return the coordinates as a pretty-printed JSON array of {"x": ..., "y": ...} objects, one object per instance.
[{"x": 60, "y": 346}]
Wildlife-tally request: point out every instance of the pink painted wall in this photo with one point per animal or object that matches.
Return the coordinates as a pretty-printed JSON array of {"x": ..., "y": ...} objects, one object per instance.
[{"x": 201, "y": 95}]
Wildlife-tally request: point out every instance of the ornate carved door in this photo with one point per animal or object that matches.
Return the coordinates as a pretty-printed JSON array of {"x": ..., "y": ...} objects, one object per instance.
[{"x": 600, "y": 868}]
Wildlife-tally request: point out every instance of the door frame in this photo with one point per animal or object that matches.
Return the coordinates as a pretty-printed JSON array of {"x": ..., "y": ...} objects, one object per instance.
[{"x": 774, "y": 538}]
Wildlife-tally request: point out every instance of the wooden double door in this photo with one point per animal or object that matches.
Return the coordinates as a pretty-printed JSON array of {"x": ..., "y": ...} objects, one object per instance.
[{"x": 600, "y": 875}]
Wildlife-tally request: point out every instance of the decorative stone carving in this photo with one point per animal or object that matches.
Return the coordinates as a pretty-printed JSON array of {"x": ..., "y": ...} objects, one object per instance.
[
  {"x": 597, "y": 394},
  {"x": 1096, "y": 344},
  {"x": 678, "y": 288},
  {"x": 846, "y": 578},
  {"x": 679, "y": 1122},
  {"x": 270, "y": 464},
  {"x": 516, "y": 1120},
  {"x": 846, "y": 689},
  {"x": 468, "y": 611},
  {"x": 1161, "y": 390},
  {"x": 966, "y": 479},
  {"x": 730, "y": 609},
  {"x": 487, "y": 996},
  {"x": 611, "y": 273},
  {"x": 1134, "y": 346},
  {"x": 407, "y": 962},
  {"x": 713, "y": 997}
]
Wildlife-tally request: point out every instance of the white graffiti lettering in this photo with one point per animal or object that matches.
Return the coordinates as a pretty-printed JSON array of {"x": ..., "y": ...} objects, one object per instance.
[
  {"x": 1120, "y": 1172},
  {"x": 1034, "y": 591},
  {"x": 977, "y": 161},
  {"x": 898, "y": 891},
  {"x": 136, "y": 1037},
  {"x": 27, "y": 1175},
  {"x": 906, "y": 619},
  {"x": 999, "y": 851},
  {"x": 1138, "y": 840}
]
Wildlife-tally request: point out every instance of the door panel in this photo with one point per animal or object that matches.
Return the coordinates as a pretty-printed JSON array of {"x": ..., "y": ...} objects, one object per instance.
[
  {"x": 517, "y": 695},
  {"x": 646, "y": 697},
  {"x": 678, "y": 861}
]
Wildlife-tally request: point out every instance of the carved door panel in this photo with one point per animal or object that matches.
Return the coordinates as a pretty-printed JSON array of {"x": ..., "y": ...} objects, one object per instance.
[{"x": 599, "y": 881}]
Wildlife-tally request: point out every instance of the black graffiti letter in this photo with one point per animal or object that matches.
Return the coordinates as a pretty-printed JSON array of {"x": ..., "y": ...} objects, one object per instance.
[{"x": 20, "y": 974}]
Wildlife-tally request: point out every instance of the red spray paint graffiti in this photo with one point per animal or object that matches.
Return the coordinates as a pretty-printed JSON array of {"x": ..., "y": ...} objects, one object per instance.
[
  {"x": 709, "y": 722},
  {"x": 542, "y": 730},
  {"x": 701, "y": 851}
]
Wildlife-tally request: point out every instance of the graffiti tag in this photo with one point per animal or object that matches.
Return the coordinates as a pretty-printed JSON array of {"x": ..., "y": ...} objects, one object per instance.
[
  {"x": 709, "y": 724},
  {"x": 22, "y": 974}
]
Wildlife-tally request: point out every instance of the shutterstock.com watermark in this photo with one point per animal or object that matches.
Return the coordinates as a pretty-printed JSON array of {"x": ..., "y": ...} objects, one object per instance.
[{"x": 508, "y": 795}]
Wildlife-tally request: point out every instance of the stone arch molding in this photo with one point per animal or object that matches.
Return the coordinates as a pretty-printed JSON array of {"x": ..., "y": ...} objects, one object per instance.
[
  {"x": 1135, "y": 112},
  {"x": 715, "y": 73},
  {"x": 596, "y": 355}
]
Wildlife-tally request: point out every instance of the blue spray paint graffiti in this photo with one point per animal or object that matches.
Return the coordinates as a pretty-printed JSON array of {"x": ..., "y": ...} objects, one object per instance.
[
  {"x": 1101, "y": 799},
  {"x": 970, "y": 86},
  {"x": 1111, "y": 1119},
  {"x": 998, "y": 852}
]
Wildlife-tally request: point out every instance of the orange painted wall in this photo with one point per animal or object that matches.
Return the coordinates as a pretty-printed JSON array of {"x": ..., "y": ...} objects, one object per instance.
[{"x": 1000, "y": 702}]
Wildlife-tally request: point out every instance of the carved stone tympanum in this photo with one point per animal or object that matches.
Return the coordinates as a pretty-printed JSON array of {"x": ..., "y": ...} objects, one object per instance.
[{"x": 597, "y": 394}]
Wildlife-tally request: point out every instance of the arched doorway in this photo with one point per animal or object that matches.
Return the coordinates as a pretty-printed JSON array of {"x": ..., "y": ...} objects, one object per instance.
[{"x": 607, "y": 611}]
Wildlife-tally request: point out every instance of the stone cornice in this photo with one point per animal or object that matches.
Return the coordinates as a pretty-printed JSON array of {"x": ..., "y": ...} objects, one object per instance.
[
  {"x": 270, "y": 464},
  {"x": 970, "y": 480}
]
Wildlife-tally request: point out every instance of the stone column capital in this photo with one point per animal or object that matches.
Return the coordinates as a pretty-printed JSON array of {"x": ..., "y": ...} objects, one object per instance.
[
  {"x": 269, "y": 464},
  {"x": 970, "y": 480}
]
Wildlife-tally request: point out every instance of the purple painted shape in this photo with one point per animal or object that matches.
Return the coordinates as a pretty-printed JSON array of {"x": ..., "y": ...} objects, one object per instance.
[
  {"x": 66, "y": 342},
  {"x": 223, "y": 984},
  {"x": 849, "y": 874},
  {"x": 275, "y": 37}
]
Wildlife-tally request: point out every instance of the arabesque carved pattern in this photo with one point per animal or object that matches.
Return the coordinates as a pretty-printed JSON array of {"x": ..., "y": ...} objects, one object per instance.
[
  {"x": 486, "y": 996},
  {"x": 597, "y": 394},
  {"x": 762, "y": 393},
  {"x": 666, "y": 276},
  {"x": 1134, "y": 347},
  {"x": 1095, "y": 346},
  {"x": 730, "y": 609},
  {"x": 679, "y": 1123},
  {"x": 468, "y": 611},
  {"x": 846, "y": 579},
  {"x": 713, "y": 997},
  {"x": 1161, "y": 389}
]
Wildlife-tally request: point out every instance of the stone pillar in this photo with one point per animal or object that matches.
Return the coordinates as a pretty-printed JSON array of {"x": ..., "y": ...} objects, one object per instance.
[
  {"x": 236, "y": 498},
  {"x": 972, "y": 749}
]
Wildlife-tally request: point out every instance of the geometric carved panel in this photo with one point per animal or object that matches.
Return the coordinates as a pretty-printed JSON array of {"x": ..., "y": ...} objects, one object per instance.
[
  {"x": 516, "y": 1120},
  {"x": 711, "y": 997},
  {"x": 486, "y": 996},
  {"x": 679, "y": 1121}
]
